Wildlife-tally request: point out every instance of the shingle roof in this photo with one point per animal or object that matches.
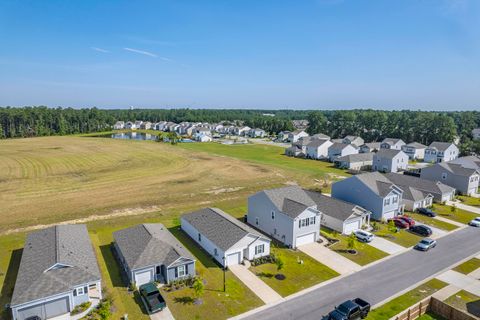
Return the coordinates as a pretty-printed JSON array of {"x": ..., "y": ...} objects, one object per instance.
[
  {"x": 391, "y": 141},
  {"x": 472, "y": 162},
  {"x": 219, "y": 227},
  {"x": 457, "y": 169},
  {"x": 317, "y": 143},
  {"x": 419, "y": 183},
  {"x": 341, "y": 146},
  {"x": 416, "y": 145},
  {"x": 440, "y": 146},
  {"x": 351, "y": 158},
  {"x": 290, "y": 194},
  {"x": 372, "y": 145},
  {"x": 149, "y": 244},
  {"x": 377, "y": 182},
  {"x": 388, "y": 153},
  {"x": 335, "y": 208},
  {"x": 63, "y": 245},
  {"x": 321, "y": 136}
]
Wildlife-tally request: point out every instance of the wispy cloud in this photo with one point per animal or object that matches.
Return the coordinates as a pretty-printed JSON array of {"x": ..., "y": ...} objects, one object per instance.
[
  {"x": 145, "y": 53},
  {"x": 99, "y": 49}
]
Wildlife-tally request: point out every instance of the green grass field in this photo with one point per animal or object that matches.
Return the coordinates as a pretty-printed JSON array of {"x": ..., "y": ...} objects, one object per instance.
[
  {"x": 471, "y": 201},
  {"x": 423, "y": 219},
  {"x": 468, "y": 266},
  {"x": 459, "y": 215},
  {"x": 402, "y": 237}
]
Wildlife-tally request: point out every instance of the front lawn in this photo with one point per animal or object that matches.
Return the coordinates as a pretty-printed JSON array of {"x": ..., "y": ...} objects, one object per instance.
[
  {"x": 365, "y": 253},
  {"x": 298, "y": 276},
  {"x": 403, "y": 237},
  {"x": 423, "y": 219},
  {"x": 459, "y": 215},
  {"x": 468, "y": 266},
  {"x": 401, "y": 303},
  {"x": 471, "y": 201},
  {"x": 465, "y": 301}
]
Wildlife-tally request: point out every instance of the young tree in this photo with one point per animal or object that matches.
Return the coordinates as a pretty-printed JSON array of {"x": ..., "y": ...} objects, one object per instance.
[
  {"x": 280, "y": 264},
  {"x": 391, "y": 226},
  {"x": 453, "y": 209},
  {"x": 198, "y": 288},
  {"x": 352, "y": 242},
  {"x": 173, "y": 137}
]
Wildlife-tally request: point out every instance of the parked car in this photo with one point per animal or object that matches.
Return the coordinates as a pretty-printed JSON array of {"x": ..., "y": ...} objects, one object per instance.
[
  {"x": 350, "y": 310},
  {"x": 33, "y": 318},
  {"x": 408, "y": 220},
  {"x": 399, "y": 223},
  {"x": 426, "y": 212},
  {"x": 475, "y": 222},
  {"x": 363, "y": 235},
  {"x": 151, "y": 297},
  {"x": 422, "y": 230},
  {"x": 426, "y": 244}
]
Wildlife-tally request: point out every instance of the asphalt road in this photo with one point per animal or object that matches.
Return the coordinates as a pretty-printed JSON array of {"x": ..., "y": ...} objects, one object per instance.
[{"x": 381, "y": 280}]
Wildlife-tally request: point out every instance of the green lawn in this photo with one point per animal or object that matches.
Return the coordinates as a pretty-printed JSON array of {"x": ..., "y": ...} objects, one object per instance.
[
  {"x": 297, "y": 276},
  {"x": 465, "y": 301},
  {"x": 468, "y": 266},
  {"x": 365, "y": 253},
  {"x": 431, "y": 316},
  {"x": 459, "y": 215},
  {"x": 402, "y": 237},
  {"x": 471, "y": 201},
  {"x": 432, "y": 221},
  {"x": 406, "y": 300}
]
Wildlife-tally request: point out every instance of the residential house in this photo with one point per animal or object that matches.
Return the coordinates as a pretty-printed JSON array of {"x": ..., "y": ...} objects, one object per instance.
[
  {"x": 160, "y": 126},
  {"x": 390, "y": 143},
  {"x": 369, "y": 147},
  {"x": 337, "y": 150},
  {"x": 149, "y": 252},
  {"x": 355, "y": 140},
  {"x": 138, "y": 124},
  {"x": 225, "y": 238},
  {"x": 476, "y": 134},
  {"x": 287, "y": 214},
  {"x": 414, "y": 150},
  {"x": 119, "y": 125},
  {"x": 295, "y": 135},
  {"x": 256, "y": 133},
  {"x": 58, "y": 271},
  {"x": 146, "y": 125},
  {"x": 355, "y": 162},
  {"x": 321, "y": 136},
  {"x": 300, "y": 124},
  {"x": 372, "y": 191},
  {"x": 298, "y": 148},
  {"x": 441, "y": 152},
  {"x": 472, "y": 162},
  {"x": 282, "y": 136},
  {"x": 130, "y": 125},
  {"x": 242, "y": 131},
  {"x": 463, "y": 179},
  {"x": 389, "y": 160},
  {"x": 318, "y": 149}
]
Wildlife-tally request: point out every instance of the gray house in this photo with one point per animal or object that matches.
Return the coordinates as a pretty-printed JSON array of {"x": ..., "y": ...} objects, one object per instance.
[
  {"x": 440, "y": 191},
  {"x": 359, "y": 161},
  {"x": 390, "y": 143},
  {"x": 58, "y": 271},
  {"x": 149, "y": 252},
  {"x": 355, "y": 140},
  {"x": 225, "y": 238},
  {"x": 441, "y": 152},
  {"x": 372, "y": 191},
  {"x": 337, "y": 150},
  {"x": 318, "y": 149},
  {"x": 472, "y": 162},
  {"x": 369, "y": 147},
  {"x": 389, "y": 160},
  {"x": 298, "y": 148},
  {"x": 463, "y": 179},
  {"x": 414, "y": 150},
  {"x": 287, "y": 214}
]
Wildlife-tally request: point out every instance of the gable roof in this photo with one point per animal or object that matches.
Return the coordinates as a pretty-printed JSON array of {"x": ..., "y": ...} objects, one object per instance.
[
  {"x": 55, "y": 260},
  {"x": 371, "y": 145},
  {"x": 376, "y": 182},
  {"x": 290, "y": 200},
  {"x": 388, "y": 153},
  {"x": 440, "y": 146},
  {"x": 335, "y": 208},
  {"x": 357, "y": 157},
  {"x": 472, "y": 162},
  {"x": 418, "y": 183},
  {"x": 416, "y": 145},
  {"x": 341, "y": 146},
  {"x": 321, "y": 136},
  {"x": 317, "y": 143},
  {"x": 456, "y": 169},
  {"x": 149, "y": 244},
  {"x": 391, "y": 141},
  {"x": 219, "y": 227}
]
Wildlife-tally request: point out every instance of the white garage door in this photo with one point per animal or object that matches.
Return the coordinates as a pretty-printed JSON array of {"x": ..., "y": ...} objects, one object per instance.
[
  {"x": 46, "y": 310},
  {"x": 389, "y": 215},
  {"x": 304, "y": 239},
  {"x": 142, "y": 277},
  {"x": 233, "y": 258},
  {"x": 350, "y": 226}
]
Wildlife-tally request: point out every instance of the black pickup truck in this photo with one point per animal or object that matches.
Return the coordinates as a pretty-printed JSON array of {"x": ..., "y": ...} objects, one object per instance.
[
  {"x": 151, "y": 297},
  {"x": 350, "y": 310}
]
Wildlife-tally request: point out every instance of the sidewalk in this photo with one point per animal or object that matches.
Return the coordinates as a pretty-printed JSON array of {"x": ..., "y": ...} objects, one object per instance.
[
  {"x": 458, "y": 224},
  {"x": 330, "y": 258},
  {"x": 462, "y": 281},
  {"x": 466, "y": 207}
]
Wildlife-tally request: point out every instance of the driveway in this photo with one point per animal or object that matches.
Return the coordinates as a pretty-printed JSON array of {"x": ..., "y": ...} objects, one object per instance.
[
  {"x": 165, "y": 314},
  {"x": 436, "y": 232},
  {"x": 260, "y": 288},
  {"x": 386, "y": 246},
  {"x": 330, "y": 258}
]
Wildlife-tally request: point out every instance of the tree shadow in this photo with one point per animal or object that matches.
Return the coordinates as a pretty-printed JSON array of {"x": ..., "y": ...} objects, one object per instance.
[
  {"x": 9, "y": 282},
  {"x": 474, "y": 308},
  {"x": 138, "y": 300},
  {"x": 265, "y": 275},
  {"x": 115, "y": 271},
  {"x": 184, "y": 300}
]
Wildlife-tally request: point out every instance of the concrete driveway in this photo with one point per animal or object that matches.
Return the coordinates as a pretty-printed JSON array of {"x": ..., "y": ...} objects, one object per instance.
[
  {"x": 386, "y": 246},
  {"x": 330, "y": 258},
  {"x": 260, "y": 288},
  {"x": 436, "y": 232},
  {"x": 165, "y": 314}
]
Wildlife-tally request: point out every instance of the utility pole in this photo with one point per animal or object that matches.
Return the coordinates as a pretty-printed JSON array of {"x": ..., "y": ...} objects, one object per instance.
[{"x": 224, "y": 271}]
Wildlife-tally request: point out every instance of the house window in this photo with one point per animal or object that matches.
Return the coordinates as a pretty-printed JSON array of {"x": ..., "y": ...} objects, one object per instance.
[
  {"x": 80, "y": 291},
  {"x": 199, "y": 237},
  {"x": 273, "y": 215},
  {"x": 387, "y": 201},
  {"x": 259, "y": 249},
  {"x": 256, "y": 221},
  {"x": 158, "y": 270},
  {"x": 306, "y": 222},
  {"x": 275, "y": 231},
  {"x": 215, "y": 252},
  {"x": 312, "y": 220},
  {"x": 444, "y": 175},
  {"x": 181, "y": 271},
  {"x": 394, "y": 199}
]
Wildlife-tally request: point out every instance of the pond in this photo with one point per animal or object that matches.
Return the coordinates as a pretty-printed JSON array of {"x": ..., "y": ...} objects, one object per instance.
[{"x": 135, "y": 136}]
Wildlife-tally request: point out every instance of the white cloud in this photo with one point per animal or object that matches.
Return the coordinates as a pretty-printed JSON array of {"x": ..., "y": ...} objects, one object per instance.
[
  {"x": 99, "y": 49},
  {"x": 146, "y": 53}
]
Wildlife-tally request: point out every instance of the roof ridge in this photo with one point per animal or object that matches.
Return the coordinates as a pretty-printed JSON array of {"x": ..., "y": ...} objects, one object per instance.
[
  {"x": 229, "y": 219},
  {"x": 57, "y": 251}
]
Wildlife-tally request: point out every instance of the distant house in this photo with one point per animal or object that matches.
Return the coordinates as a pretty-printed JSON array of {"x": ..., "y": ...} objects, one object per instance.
[
  {"x": 390, "y": 143},
  {"x": 476, "y": 134},
  {"x": 389, "y": 160},
  {"x": 356, "y": 162},
  {"x": 160, "y": 126},
  {"x": 257, "y": 133},
  {"x": 300, "y": 124},
  {"x": 149, "y": 252},
  {"x": 287, "y": 214},
  {"x": 463, "y": 179},
  {"x": 337, "y": 150},
  {"x": 372, "y": 191},
  {"x": 414, "y": 150},
  {"x": 441, "y": 152},
  {"x": 318, "y": 149},
  {"x": 440, "y": 191},
  {"x": 283, "y": 136},
  {"x": 297, "y": 134},
  {"x": 369, "y": 147},
  {"x": 130, "y": 125},
  {"x": 298, "y": 148},
  {"x": 242, "y": 131},
  {"x": 119, "y": 125},
  {"x": 355, "y": 140},
  {"x": 138, "y": 124},
  {"x": 58, "y": 271},
  {"x": 146, "y": 125},
  {"x": 225, "y": 238},
  {"x": 321, "y": 136}
]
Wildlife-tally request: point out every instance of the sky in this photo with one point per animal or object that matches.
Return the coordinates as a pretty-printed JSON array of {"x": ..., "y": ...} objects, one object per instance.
[{"x": 269, "y": 54}]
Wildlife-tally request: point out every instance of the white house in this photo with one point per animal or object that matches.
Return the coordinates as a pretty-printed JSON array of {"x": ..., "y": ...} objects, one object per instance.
[
  {"x": 389, "y": 160},
  {"x": 390, "y": 143},
  {"x": 441, "y": 152},
  {"x": 355, "y": 140},
  {"x": 337, "y": 150},
  {"x": 297, "y": 134},
  {"x": 318, "y": 149},
  {"x": 414, "y": 150},
  {"x": 119, "y": 125}
]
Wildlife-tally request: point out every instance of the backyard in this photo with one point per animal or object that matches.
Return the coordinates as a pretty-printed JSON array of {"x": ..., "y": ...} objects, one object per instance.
[
  {"x": 466, "y": 301},
  {"x": 471, "y": 201}
]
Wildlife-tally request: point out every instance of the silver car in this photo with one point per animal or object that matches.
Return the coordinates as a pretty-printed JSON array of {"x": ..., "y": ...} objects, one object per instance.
[
  {"x": 363, "y": 235},
  {"x": 426, "y": 244}
]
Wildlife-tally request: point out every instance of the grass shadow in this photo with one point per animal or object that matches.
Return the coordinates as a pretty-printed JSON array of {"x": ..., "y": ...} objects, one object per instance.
[
  {"x": 9, "y": 282},
  {"x": 184, "y": 300},
  {"x": 265, "y": 275},
  {"x": 139, "y": 302},
  {"x": 474, "y": 308},
  {"x": 116, "y": 273}
]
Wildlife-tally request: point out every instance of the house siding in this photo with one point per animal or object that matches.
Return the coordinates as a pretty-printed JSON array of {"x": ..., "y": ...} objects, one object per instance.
[
  {"x": 190, "y": 272},
  {"x": 462, "y": 184}
]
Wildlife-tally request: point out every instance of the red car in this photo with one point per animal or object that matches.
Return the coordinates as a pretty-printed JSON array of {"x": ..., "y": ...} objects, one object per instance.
[
  {"x": 408, "y": 220},
  {"x": 399, "y": 223}
]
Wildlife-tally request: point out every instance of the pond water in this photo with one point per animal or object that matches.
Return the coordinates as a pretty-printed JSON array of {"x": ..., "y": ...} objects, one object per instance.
[{"x": 136, "y": 136}]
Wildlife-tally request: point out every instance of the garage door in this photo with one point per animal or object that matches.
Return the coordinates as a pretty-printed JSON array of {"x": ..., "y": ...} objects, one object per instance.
[
  {"x": 31, "y": 311},
  {"x": 389, "y": 215},
  {"x": 142, "y": 277},
  {"x": 304, "y": 239},
  {"x": 350, "y": 226},
  {"x": 233, "y": 259},
  {"x": 56, "y": 308}
]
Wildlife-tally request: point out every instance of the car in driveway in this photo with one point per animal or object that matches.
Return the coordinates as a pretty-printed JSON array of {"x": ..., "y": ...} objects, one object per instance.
[
  {"x": 363, "y": 236},
  {"x": 421, "y": 230},
  {"x": 399, "y": 223},
  {"x": 151, "y": 297},
  {"x": 475, "y": 222},
  {"x": 426, "y": 212},
  {"x": 408, "y": 220},
  {"x": 425, "y": 244}
]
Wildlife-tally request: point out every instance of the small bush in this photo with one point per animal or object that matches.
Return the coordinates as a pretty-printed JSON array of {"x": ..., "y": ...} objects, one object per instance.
[
  {"x": 81, "y": 308},
  {"x": 262, "y": 260}
]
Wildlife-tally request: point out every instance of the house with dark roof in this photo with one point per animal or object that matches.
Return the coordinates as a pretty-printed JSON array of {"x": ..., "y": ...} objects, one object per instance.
[
  {"x": 391, "y": 143},
  {"x": 441, "y": 152},
  {"x": 372, "y": 191},
  {"x": 225, "y": 238},
  {"x": 337, "y": 150},
  {"x": 463, "y": 178},
  {"x": 58, "y": 271},
  {"x": 149, "y": 252},
  {"x": 356, "y": 162},
  {"x": 286, "y": 214},
  {"x": 299, "y": 147},
  {"x": 369, "y": 147},
  {"x": 355, "y": 140},
  {"x": 389, "y": 160},
  {"x": 318, "y": 149},
  {"x": 440, "y": 191},
  {"x": 414, "y": 150}
]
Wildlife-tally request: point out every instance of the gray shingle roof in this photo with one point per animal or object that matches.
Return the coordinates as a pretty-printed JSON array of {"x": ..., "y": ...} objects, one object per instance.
[
  {"x": 352, "y": 158},
  {"x": 219, "y": 227},
  {"x": 372, "y": 145},
  {"x": 335, "y": 208},
  {"x": 64, "y": 245},
  {"x": 388, "y": 153},
  {"x": 391, "y": 141},
  {"x": 472, "y": 162},
  {"x": 377, "y": 182},
  {"x": 440, "y": 146},
  {"x": 149, "y": 244},
  {"x": 341, "y": 146},
  {"x": 317, "y": 143},
  {"x": 285, "y": 198},
  {"x": 321, "y": 136},
  {"x": 457, "y": 169},
  {"x": 419, "y": 183},
  {"x": 416, "y": 145}
]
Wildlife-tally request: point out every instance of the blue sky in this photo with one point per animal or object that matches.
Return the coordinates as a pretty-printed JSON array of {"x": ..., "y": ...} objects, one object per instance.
[{"x": 304, "y": 54}]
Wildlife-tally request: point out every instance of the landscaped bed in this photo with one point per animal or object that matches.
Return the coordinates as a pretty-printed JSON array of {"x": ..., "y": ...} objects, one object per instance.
[
  {"x": 365, "y": 253},
  {"x": 468, "y": 266},
  {"x": 465, "y": 301},
  {"x": 403, "y": 237},
  {"x": 458, "y": 214},
  {"x": 423, "y": 219},
  {"x": 300, "y": 271},
  {"x": 406, "y": 300}
]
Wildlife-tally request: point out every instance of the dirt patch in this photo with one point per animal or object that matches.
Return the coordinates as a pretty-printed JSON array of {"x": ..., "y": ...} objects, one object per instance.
[{"x": 224, "y": 190}]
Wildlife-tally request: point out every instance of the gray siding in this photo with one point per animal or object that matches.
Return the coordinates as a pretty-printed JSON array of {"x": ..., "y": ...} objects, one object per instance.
[
  {"x": 189, "y": 272},
  {"x": 461, "y": 183}
]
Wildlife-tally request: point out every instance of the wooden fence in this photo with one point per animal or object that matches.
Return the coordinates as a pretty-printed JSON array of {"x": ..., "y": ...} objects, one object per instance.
[{"x": 434, "y": 306}]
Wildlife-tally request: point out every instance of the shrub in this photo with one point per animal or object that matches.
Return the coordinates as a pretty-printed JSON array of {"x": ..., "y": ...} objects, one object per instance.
[
  {"x": 262, "y": 260},
  {"x": 81, "y": 308}
]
